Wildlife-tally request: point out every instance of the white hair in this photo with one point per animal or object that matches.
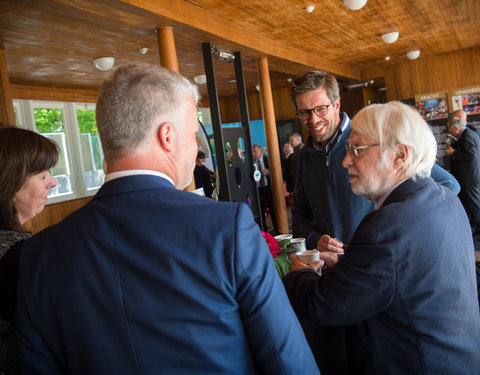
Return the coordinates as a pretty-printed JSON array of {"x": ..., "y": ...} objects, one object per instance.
[{"x": 393, "y": 123}]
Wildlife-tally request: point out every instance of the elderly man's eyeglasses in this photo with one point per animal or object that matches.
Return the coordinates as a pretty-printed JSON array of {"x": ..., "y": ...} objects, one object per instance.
[
  {"x": 320, "y": 110},
  {"x": 355, "y": 150}
]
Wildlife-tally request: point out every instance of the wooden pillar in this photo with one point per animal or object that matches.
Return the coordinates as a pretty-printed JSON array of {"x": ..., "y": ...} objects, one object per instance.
[
  {"x": 166, "y": 45},
  {"x": 276, "y": 177},
  {"x": 168, "y": 59},
  {"x": 7, "y": 114}
]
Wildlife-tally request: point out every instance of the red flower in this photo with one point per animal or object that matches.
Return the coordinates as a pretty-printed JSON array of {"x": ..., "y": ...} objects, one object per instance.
[{"x": 272, "y": 244}]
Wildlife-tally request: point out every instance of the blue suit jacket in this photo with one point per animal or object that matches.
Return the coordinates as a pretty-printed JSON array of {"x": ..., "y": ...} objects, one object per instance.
[
  {"x": 153, "y": 280},
  {"x": 406, "y": 286}
]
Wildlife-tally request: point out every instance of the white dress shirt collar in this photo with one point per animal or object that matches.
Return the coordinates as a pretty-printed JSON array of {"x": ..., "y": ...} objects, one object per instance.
[{"x": 134, "y": 172}]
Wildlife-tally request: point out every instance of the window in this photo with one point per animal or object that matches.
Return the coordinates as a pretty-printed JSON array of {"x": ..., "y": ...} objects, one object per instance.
[{"x": 72, "y": 126}]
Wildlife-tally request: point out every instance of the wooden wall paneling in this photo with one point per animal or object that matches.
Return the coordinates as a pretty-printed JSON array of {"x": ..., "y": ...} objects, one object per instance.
[
  {"x": 7, "y": 114},
  {"x": 284, "y": 108},
  {"x": 433, "y": 73},
  {"x": 54, "y": 213}
]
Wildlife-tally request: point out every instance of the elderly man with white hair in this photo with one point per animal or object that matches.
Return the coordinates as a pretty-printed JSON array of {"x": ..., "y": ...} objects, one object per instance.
[{"x": 406, "y": 286}]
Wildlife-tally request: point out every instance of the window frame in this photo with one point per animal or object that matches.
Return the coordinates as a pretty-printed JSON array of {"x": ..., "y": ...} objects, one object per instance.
[{"x": 26, "y": 119}]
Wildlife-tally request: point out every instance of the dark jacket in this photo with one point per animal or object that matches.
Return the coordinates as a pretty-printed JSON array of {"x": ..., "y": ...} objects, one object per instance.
[
  {"x": 466, "y": 158},
  {"x": 406, "y": 286}
]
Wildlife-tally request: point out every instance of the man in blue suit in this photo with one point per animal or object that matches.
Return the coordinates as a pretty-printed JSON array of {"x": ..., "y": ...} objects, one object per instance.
[
  {"x": 137, "y": 282},
  {"x": 406, "y": 286}
]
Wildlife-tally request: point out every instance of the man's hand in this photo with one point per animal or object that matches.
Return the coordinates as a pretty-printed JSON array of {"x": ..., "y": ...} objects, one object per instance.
[
  {"x": 298, "y": 265},
  {"x": 327, "y": 243},
  {"x": 449, "y": 150},
  {"x": 330, "y": 260}
]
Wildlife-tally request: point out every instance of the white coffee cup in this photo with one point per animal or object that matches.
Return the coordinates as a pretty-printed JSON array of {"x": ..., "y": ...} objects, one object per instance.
[
  {"x": 282, "y": 237},
  {"x": 308, "y": 256},
  {"x": 298, "y": 244}
]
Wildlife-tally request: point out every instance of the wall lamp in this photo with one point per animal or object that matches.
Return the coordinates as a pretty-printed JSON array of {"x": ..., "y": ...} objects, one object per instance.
[{"x": 222, "y": 54}]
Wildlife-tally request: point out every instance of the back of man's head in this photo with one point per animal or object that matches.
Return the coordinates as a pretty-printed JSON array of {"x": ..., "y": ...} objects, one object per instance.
[
  {"x": 455, "y": 122},
  {"x": 315, "y": 80},
  {"x": 395, "y": 122},
  {"x": 133, "y": 100},
  {"x": 461, "y": 114}
]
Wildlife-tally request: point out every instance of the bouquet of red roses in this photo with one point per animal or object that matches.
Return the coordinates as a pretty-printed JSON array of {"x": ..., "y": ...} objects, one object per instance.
[{"x": 282, "y": 263}]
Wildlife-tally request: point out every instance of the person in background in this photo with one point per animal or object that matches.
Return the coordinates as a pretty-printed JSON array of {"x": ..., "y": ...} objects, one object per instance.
[
  {"x": 406, "y": 286},
  {"x": 462, "y": 115},
  {"x": 25, "y": 158},
  {"x": 149, "y": 278},
  {"x": 464, "y": 153},
  {"x": 286, "y": 170},
  {"x": 264, "y": 187},
  {"x": 325, "y": 210},
  {"x": 295, "y": 141},
  {"x": 202, "y": 174}
]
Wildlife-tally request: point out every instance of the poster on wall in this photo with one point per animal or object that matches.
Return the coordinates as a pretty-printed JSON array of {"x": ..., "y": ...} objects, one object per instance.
[
  {"x": 467, "y": 99},
  {"x": 432, "y": 106}
]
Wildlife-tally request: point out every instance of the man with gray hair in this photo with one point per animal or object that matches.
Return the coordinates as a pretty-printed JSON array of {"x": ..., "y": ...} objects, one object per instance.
[
  {"x": 464, "y": 153},
  {"x": 148, "y": 278},
  {"x": 406, "y": 285}
]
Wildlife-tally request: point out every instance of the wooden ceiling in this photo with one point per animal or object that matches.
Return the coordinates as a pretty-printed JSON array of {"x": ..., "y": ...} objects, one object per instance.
[{"x": 52, "y": 43}]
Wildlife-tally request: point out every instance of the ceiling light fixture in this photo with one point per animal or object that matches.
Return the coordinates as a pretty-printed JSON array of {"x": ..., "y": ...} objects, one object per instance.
[
  {"x": 354, "y": 4},
  {"x": 143, "y": 50},
  {"x": 200, "y": 79},
  {"x": 412, "y": 55},
  {"x": 387, "y": 58},
  {"x": 104, "y": 63},
  {"x": 390, "y": 37},
  {"x": 309, "y": 9}
]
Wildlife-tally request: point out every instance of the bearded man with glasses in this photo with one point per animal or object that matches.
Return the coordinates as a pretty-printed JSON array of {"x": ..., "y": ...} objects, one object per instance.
[
  {"x": 325, "y": 210},
  {"x": 405, "y": 288}
]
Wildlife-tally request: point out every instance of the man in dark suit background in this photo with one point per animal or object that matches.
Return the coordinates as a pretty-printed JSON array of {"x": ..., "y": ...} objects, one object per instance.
[
  {"x": 264, "y": 187},
  {"x": 148, "y": 278},
  {"x": 464, "y": 152},
  {"x": 286, "y": 170},
  {"x": 295, "y": 141},
  {"x": 405, "y": 288}
]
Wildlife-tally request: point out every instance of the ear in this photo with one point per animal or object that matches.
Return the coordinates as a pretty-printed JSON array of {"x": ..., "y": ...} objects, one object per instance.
[
  {"x": 336, "y": 104},
  {"x": 401, "y": 155},
  {"x": 166, "y": 136}
]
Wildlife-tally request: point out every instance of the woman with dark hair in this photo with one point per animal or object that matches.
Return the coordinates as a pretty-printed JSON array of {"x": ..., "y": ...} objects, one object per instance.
[{"x": 25, "y": 158}]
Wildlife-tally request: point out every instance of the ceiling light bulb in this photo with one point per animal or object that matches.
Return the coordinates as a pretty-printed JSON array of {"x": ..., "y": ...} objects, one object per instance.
[
  {"x": 390, "y": 37},
  {"x": 412, "y": 55},
  {"x": 104, "y": 63},
  {"x": 354, "y": 4},
  {"x": 200, "y": 79},
  {"x": 387, "y": 58},
  {"x": 143, "y": 50},
  {"x": 309, "y": 9}
]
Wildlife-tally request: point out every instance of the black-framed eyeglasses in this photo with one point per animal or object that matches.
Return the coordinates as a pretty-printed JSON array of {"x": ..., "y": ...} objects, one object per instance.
[
  {"x": 319, "y": 110},
  {"x": 354, "y": 150}
]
